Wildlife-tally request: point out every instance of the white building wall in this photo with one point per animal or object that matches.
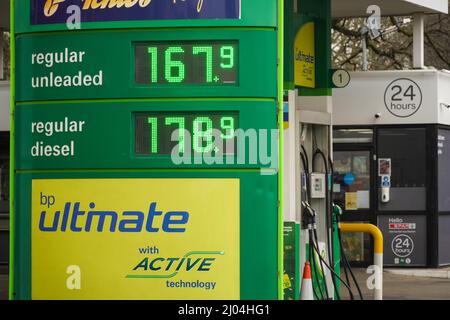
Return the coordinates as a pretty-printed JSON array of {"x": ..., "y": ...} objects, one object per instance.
[{"x": 364, "y": 98}]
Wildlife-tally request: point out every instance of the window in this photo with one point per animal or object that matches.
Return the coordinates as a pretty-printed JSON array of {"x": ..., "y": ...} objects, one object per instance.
[
  {"x": 351, "y": 187},
  {"x": 406, "y": 149},
  {"x": 352, "y": 136},
  {"x": 356, "y": 246}
]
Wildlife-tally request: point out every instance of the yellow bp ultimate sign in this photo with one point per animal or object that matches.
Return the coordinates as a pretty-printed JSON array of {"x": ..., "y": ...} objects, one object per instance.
[
  {"x": 304, "y": 57},
  {"x": 135, "y": 239}
]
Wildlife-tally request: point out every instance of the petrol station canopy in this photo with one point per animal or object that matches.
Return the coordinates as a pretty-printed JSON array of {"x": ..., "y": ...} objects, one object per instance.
[{"x": 357, "y": 8}]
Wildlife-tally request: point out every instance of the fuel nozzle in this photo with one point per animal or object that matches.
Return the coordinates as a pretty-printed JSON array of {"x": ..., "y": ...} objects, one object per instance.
[
  {"x": 337, "y": 211},
  {"x": 309, "y": 216},
  {"x": 308, "y": 209}
]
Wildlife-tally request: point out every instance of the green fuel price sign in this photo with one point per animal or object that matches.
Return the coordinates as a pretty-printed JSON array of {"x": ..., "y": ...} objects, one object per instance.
[
  {"x": 205, "y": 63},
  {"x": 156, "y": 133},
  {"x": 197, "y": 78}
]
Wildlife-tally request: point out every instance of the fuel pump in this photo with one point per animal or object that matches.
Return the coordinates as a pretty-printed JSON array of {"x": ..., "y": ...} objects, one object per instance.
[{"x": 309, "y": 184}]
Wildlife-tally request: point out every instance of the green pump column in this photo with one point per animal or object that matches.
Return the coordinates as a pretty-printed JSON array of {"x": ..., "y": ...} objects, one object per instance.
[{"x": 110, "y": 202}]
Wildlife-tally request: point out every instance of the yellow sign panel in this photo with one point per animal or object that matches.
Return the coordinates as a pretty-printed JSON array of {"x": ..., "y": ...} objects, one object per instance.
[
  {"x": 351, "y": 201},
  {"x": 304, "y": 57},
  {"x": 135, "y": 239}
]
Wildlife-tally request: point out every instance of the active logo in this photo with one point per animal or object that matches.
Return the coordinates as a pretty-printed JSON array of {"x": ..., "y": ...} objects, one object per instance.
[
  {"x": 198, "y": 262},
  {"x": 172, "y": 265}
]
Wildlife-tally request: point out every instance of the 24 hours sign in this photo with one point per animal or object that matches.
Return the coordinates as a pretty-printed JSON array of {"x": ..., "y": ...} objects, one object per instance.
[
  {"x": 404, "y": 238},
  {"x": 403, "y": 97},
  {"x": 132, "y": 239}
]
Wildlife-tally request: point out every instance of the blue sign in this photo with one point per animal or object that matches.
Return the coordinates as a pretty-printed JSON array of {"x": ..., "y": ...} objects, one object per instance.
[
  {"x": 55, "y": 11},
  {"x": 349, "y": 179},
  {"x": 386, "y": 181}
]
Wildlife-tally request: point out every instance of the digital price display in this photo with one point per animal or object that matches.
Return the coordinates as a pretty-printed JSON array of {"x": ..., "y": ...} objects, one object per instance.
[
  {"x": 199, "y": 62},
  {"x": 212, "y": 133}
]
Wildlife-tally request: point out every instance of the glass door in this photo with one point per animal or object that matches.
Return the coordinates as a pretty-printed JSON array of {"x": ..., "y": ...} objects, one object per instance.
[
  {"x": 353, "y": 188},
  {"x": 351, "y": 185}
]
